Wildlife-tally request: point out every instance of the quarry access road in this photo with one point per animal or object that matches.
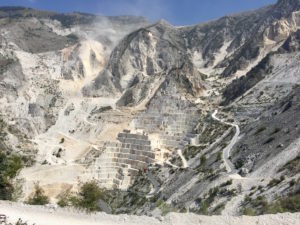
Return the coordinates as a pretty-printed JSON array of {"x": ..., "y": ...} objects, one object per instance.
[
  {"x": 86, "y": 120},
  {"x": 155, "y": 183},
  {"x": 226, "y": 152},
  {"x": 184, "y": 162}
]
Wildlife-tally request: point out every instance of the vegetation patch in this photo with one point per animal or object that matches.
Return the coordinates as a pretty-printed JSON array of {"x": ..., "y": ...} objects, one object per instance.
[
  {"x": 260, "y": 129},
  {"x": 206, "y": 202},
  {"x": 218, "y": 209},
  {"x": 191, "y": 151},
  {"x": 39, "y": 197},
  {"x": 227, "y": 183},
  {"x": 275, "y": 181},
  {"x": 129, "y": 201},
  {"x": 239, "y": 163},
  {"x": 292, "y": 167},
  {"x": 219, "y": 155},
  {"x": 10, "y": 165},
  {"x": 203, "y": 160},
  {"x": 88, "y": 197},
  {"x": 166, "y": 208},
  {"x": 213, "y": 131},
  {"x": 260, "y": 205},
  {"x": 276, "y": 130},
  {"x": 176, "y": 160},
  {"x": 269, "y": 140}
]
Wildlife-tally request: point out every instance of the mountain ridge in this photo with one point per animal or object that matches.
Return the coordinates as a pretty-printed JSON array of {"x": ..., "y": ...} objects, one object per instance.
[{"x": 108, "y": 98}]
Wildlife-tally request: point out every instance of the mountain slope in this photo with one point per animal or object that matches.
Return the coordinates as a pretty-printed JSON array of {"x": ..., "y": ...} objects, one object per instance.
[{"x": 118, "y": 100}]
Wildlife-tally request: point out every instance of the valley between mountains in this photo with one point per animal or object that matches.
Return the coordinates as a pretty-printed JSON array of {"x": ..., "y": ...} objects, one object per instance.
[{"x": 201, "y": 119}]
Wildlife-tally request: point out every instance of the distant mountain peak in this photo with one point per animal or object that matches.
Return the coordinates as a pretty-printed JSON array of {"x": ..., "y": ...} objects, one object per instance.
[
  {"x": 288, "y": 1},
  {"x": 290, "y": 4},
  {"x": 164, "y": 22},
  {"x": 12, "y": 8}
]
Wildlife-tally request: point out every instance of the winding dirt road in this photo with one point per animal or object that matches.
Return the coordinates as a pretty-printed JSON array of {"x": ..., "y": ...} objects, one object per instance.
[
  {"x": 184, "y": 162},
  {"x": 226, "y": 152}
]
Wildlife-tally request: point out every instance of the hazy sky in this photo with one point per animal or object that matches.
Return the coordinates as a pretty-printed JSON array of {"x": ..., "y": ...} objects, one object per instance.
[{"x": 178, "y": 12}]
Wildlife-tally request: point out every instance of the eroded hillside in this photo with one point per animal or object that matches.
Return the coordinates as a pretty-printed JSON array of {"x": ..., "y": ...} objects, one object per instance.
[{"x": 201, "y": 118}]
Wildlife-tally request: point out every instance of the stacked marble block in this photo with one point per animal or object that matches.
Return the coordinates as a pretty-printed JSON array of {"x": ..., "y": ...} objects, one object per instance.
[{"x": 121, "y": 161}]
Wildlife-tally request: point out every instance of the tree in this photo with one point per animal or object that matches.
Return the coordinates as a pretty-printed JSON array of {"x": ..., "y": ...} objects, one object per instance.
[
  {"x": 9, "y": 168},
  {"x": 38, "y": 198},
  {"x": 89, "y": 196}
]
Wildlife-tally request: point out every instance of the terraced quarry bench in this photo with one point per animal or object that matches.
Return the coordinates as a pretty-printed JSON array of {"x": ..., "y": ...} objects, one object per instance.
[
  {"x": 169, "y": 116},
  {"x": 121, "y": 160},
  {"x": 172, "y": 117}
]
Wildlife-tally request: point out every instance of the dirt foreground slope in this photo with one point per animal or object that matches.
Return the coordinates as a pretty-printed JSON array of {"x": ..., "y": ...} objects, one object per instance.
[{"x": 47, "y": 216}]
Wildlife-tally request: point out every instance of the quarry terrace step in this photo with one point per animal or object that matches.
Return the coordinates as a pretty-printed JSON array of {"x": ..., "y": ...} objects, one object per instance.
[
  {"x": 134, "y": 150},
  {"x": 133, "y": 136},
  {"x": 132, "y": 162},
  {"x": 121, "y": 161},
  {"x": 126, "y": 152}
]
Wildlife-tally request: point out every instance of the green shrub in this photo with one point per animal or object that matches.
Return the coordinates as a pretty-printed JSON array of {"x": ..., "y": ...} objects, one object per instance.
[
  {"x": 213, "y": 192},
  {"x": 6, "y": 189},
  {"x": 218, "y": 209},
  {"x": 287, "y": 204},
  {"x": 183, "y": 210},
  {"x": 20, "y": 222},
  {"x": 274, "y": 182},
  {"x": 293, "y": 166},
  {"x": 227, "y": 183},
  {"x": 18, "y": 189},
  {"x": 14, "y": 165},
  {"x": 219, "y": 156},
  {"x": 62, "y": 140},
  {"x": 261, "y": 129},
  {"x": 249, "y": 211},
  {"x": 204, "y": 208},
  {"x": 203, "y": 160},
  {"x": 239, "y": 163},
  {"x": 165, "y": 208},
  {"x": 276, "y": 130},
  {"x": 64, "y": 199},
  {"x": 9, "y": 169},
  {"x": 247, "y": 198},
  {"x": 207, "y": 200},
  {"x": 269, "y": 140},
  {"x": 253, "y": 188},
  {"x": 159, "y": 202},
  {"x": 292, "y": 182},
  {"x": 290, "y": 203},
  {"x": 260, "y": 188},
  {"x": 62, "y": 202},
  {"x": 259, "y": 206},
  {"x": 260, "y": 203},
  {"x": 89, "y": 196},
  {"x": 191, "y": 151},
  {"x": 38, "y": 198}
]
